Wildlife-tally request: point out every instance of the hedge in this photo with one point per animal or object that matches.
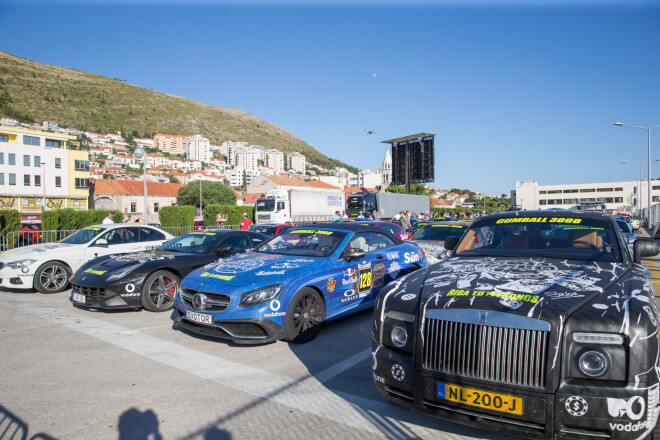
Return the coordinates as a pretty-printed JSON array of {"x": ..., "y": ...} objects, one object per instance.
[
  {"x": 10, "y": 221},
  {"x": 177, "y": 216},
  {"x": 68, "y": 219},
  {"x": 234, "y": 214}
]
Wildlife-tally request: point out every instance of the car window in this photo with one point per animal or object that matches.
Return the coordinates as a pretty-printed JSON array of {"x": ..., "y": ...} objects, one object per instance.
[
  {"x": 369, "y": 242},
  {"x": 240, "y": 242},
  {"x": 147, "y": 234},
  {"x": 85, "y": 235},
  {"x": 122, "y": 236},
  {"x": 391, "y": 228},
  {"x": 195, "y": 242},
  {"x": 304, "y": 242},
  {"x": 439, "y": 232},
  {"x": 257, "y": 240},
  {"x": 267, "y": 230},
  {"x": 623, "y": 225}
]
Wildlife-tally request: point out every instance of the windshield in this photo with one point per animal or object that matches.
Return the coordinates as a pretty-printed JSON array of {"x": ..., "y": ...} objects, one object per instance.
[
  {"x": 555, "y": 236},
  {"x": 85, "y": 235},
  {"x": 266, "y": 230},
  {"x": 194, "y": 243},
  {"x": 623, "y": 225},
  {"x": 439, "y": 232},
  {"x": 354, "y": 204},
  {"x": 304, "y": 242},
  {"x": 265, "y": 205}
]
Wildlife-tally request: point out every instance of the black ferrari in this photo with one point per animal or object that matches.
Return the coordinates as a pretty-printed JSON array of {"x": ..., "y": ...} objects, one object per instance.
[{"x": 150, "y": 279}]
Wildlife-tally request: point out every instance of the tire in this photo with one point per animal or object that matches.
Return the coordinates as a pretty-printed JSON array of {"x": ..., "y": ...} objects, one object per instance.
[
  {"x": 158, "y": 291},
  {"x": 304, "y": 316},
  {"x": 52, "y": 277}
]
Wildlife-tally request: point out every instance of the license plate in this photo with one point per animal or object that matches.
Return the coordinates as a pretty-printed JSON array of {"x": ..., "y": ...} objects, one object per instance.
[
  {"x": 480, "y": 398},
  {"x": 79, "y": 298},
  {"x": 199, "y": 317}
]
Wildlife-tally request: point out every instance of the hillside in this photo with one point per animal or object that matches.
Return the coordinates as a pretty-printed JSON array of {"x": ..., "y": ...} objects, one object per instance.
[{"x": 31, "y": 91}]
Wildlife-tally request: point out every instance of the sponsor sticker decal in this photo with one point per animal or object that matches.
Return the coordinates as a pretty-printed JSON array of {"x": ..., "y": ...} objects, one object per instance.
[
  {"x": 511, "y": 296},
  {"x": 540, "y": 220},
  {"x": 269, "y": 272},
  {"x": 310, "y": 231},
  {"x": 130, "y": 287},
  {"x": 408, "y": 296},
  {"x": 216, "y": 276},
  {"x": 576, "y": 406},
  {"x": 378, "y": 378},
  {"x": 633, "y": 408},
  {"x": 95, "y": 272},
  {"x": 398, "y": 373},
  {"x": 331, "y": 284}
]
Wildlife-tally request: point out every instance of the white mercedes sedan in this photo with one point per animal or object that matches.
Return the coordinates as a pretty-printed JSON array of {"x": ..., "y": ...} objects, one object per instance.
[{"x": 48, "y": 267}]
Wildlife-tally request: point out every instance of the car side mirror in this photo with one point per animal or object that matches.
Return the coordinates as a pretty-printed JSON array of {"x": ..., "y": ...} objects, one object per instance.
[
  {"x": 451, "y": 242},
  {"x": 644, "y": 247},
  {"x": 224, "y": 249},
  {"x": 101, "y": 242},
  {"x": 354, "y": 254}
]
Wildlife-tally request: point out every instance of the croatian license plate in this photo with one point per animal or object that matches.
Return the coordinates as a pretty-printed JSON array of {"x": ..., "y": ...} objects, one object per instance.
[
  {"x": 483, "y": 399},
  {"x": 199, "y": 317},
  {"x": 79, "y": 298}
]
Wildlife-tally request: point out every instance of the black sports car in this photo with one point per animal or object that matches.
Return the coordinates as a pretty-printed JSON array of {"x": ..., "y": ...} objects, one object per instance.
[
  {"x": 150, "y": 279},
  {"x": 540, "y": 325}
]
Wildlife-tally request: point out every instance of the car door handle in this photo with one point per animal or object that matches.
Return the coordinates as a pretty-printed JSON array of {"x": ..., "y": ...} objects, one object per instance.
[{"x": 380, "y": 257}]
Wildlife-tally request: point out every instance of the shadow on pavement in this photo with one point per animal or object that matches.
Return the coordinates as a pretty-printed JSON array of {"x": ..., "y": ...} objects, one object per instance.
[
  {"x": 13, "y": 428},
  {"x": 137, "y": 425}
]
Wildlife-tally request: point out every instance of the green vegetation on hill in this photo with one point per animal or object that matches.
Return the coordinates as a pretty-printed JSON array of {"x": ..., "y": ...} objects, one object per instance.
[{"x": 32, "y": 91}]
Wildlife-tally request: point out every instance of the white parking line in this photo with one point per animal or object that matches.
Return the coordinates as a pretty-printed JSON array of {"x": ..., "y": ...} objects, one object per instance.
[
  {"x": 308, "y": 395},
  {"x": 342, "y": 366}
]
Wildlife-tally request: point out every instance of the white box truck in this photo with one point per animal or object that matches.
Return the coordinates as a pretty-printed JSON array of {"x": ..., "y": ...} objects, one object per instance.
[
  {"x": 299, "y": 205},
  {"x": 383, "y": 205}
]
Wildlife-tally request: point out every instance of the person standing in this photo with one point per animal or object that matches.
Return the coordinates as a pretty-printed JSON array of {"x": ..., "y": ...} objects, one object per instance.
[
  {"x": 220, "y": 219},
  {"x": 405, "y": 221},
  {"x": 109, "y": 219},
  {"x": 246, "y": 222},
  {"x": 336, "y": 217}
]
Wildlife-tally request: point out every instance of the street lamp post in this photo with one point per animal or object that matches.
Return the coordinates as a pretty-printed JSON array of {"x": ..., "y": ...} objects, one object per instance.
[
  {"x": 639, "y": 187},
  {"x": 139, "y": 153},
  {"x": 648, "y": 129}
]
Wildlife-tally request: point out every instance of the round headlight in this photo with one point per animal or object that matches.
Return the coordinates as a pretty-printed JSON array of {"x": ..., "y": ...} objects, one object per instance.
[
  {"x": 399, "y": 336},
  {"x": 593, "y": 363}
]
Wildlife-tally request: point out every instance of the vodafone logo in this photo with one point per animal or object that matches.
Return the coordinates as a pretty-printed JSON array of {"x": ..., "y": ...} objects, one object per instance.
[{"x": 275, "y": 305}]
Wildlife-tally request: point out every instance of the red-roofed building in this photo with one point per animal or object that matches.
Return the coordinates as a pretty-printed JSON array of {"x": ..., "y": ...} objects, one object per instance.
[
  {"x": 249, "y": 199},
  {"x": 128, "y": 196}
]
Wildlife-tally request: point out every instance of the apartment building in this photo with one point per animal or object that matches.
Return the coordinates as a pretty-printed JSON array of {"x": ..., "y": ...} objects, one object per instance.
[
  {"x": 296, "y": 162},
  {"x": 199, "y": 148},
  {"x": 275, "y": 160},
  {"x": 40, "y": 169},
  {"x": 610, "y": 196},
  {"x": 171, "y": 143}
]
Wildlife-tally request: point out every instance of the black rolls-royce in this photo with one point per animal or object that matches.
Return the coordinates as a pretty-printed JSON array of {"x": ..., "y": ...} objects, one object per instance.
[{"x": 541, "y": 325}]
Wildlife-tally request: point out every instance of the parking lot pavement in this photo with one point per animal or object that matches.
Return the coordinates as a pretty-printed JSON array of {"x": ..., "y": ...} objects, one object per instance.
[{"x": 78, "y": 374}]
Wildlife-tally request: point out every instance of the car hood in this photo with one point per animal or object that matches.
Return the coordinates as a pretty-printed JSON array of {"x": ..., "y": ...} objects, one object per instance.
[
  {"x": 254, "y": 268},
  {"x": 118, "y": 261},
  {"x": 525, "y": 286},
  {"x": 36, "y": 250}
]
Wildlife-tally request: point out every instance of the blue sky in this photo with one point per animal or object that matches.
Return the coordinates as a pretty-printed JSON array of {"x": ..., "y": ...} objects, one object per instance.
[{"x": 513, "y": 92}]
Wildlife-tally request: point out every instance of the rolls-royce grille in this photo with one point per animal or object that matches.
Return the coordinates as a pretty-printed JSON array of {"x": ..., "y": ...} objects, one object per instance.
[
  {"x": 510, "y": 355},
  {"x": 92, "y": 294},
  {"x": 213, "y": 302}
]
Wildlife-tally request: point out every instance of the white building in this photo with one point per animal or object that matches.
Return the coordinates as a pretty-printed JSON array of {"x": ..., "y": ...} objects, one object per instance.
[
  {"x": 275, "y": 160},
  {"x": 296, "y": 162},
  {"x": 199, "y": 148},
  {"x": 386, "y": 170},
  {"x": 615, "y": 196},
  {"x": 50, "y": 125}
]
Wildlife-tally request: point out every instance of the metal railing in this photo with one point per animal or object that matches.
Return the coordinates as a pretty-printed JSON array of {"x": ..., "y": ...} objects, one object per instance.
[{"x": 24, "y": 238}]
